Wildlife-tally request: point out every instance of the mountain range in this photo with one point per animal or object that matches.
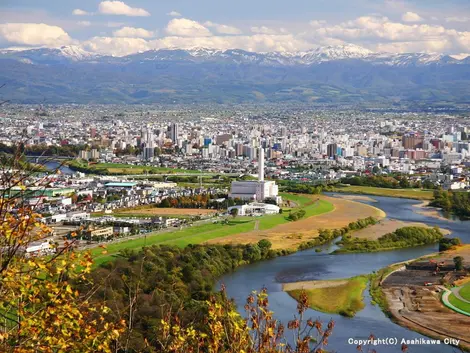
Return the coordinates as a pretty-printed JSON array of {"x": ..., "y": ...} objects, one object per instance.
[{"x": 334, "y": 74}]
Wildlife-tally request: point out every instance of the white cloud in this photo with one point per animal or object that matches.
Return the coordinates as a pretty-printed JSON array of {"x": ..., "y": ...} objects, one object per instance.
[
  {"x": 257, "y": 43},
  {"x": 411, "y": 17},
  {"x": 84, "y": 23},
  {"x": 79, "y": 12},
  {"x": 182, "y": 27},
  {"x": 116, "y": 46},
  {"x": 34, "y": 34},
  {"x": 132, "y": 32},
  {"x": 317, "y": 23},
  {"x": 263, "y": 30},
  {"x": 461, "y": 19},
  {"x": 223, "y": 29},
  {"x": 121, "y": 8},
  {"x": 380, "y": 33},
  {"x": 174, "y": 14}
]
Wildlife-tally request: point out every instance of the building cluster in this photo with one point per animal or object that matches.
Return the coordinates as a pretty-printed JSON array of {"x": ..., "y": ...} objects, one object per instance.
[{"x": 298, "y": 144}]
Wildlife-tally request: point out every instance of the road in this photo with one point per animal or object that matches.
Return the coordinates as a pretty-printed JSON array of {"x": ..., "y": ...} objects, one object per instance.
[{"x": 456, "y": 292}]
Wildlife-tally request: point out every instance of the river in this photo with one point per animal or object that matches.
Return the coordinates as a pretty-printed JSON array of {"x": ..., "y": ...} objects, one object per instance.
[
  {"x": 309, "y": 265},
  {"x": 54, "y": 165}
]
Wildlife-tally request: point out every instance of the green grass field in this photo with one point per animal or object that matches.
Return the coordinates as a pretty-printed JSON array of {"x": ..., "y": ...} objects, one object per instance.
[
  {"x": 202, "y": 233},
  {"x": 118, "y": 168},
  {"x": 459, "y": 303},
  {"x": 345, "y": 299},
  {"x": 465, "y": 292},
  {"x": 402, "y": 193}
]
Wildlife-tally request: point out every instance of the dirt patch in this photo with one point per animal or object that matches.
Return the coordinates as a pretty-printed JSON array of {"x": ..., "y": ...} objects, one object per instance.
[
  {"x": 311, "y": 285},
  {"x": 290, "y": 235},
  {"x": 420, "y": 309},
  {"x": 463, "y": 251},
  {"x": 167, "y": 211},
  {"x": 387, "y": 226}
]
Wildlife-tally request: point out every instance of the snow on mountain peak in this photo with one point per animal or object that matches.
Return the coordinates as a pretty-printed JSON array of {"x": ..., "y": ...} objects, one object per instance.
[{"x": 75, "y": 52}]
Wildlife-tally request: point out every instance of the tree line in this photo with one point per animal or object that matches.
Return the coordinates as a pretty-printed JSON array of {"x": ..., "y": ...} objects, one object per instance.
[
  {"x": 401, "y": 238},
  {"x": 327, "y": 235},
  {"x": 457, "y": 203},
  {"x": 163, "y": 279},
  {"x": 389, "y": 182}
]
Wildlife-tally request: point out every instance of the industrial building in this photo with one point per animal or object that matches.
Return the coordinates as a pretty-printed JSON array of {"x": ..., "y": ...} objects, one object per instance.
[
  {"x": 256, "y": 209},
  {"x": 259, "y": 190}
]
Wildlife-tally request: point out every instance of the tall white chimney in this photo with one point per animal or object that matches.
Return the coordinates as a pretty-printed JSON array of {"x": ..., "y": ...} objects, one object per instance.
[{"x": 261, "y": 164}]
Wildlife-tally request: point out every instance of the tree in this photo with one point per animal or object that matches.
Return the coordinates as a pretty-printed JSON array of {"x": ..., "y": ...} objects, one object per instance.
[
  {"x": 40, "y": 308},
  {"x": 225, "y": 331},
  {"x": 458, "y": 261},
  {"x": 234, "y": 212}
]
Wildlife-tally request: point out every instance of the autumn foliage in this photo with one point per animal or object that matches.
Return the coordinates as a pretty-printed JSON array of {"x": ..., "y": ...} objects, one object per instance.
[
  {"x": 40, "y": 311},
  {"x": 225, "y": 331}
]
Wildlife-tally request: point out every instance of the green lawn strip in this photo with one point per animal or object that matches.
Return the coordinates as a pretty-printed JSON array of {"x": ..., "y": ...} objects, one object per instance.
[
  {"x": 203, "y": 233},
  {"x": 400, "y": 193},
  {"x": 345, "y": 299},
  {"x": 459, "y": 303},
  {"x": 219, "y": 233},
  {"x": 150, "y": 239},
  {"x": 129, "y": 169},
  {"x": 300, "y": 200},
  {"x": 465, "y": 292}
]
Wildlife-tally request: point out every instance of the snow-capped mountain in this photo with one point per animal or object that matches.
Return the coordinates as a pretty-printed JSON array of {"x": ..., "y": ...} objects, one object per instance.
[
  {"x": 334, "y": 74},
  {"x": 72, "y": 53},
  {"x": 331, "y": 53},
  {"x": 312, "y": 57}
]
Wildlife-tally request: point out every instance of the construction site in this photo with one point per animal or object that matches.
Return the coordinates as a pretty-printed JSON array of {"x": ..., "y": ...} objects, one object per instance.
[{"x": 413, "y": 293}]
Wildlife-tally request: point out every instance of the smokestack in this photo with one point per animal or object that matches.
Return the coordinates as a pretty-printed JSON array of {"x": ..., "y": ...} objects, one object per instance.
[{"x": 261, "y": 164}]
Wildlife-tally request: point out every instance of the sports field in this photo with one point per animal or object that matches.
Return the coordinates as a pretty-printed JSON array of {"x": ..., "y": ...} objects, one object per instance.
[
  {"x": 465, "y": 292},
  {"x": 460, "y": 304}
]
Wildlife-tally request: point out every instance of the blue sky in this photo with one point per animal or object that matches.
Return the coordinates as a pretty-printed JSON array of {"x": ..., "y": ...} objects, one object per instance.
[{"x": 129, "y": 26}]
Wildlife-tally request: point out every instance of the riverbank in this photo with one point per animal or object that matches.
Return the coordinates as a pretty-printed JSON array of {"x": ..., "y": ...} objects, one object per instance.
[
  {"x": 411, "y": 297},
  {"x": 387, "y": 226},
  {"x": 295, "y": 233},
  {"x": 429, "y": 211},
  {"x": 343, "y": 297},
  {"x": 405, "y": 237},
  {"x": 416, "y": 194}
]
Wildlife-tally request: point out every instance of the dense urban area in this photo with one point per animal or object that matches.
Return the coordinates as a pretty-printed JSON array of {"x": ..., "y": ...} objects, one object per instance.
[{"x": 145, "y": 184}]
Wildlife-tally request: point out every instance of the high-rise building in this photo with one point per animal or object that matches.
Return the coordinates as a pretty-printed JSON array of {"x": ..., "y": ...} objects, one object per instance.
[
  {"x": 332, "y": 150},
  {"x": 148, "y": 151},
  {"x": 411, "y": 142},
  {"x": 173, "y": 132}
]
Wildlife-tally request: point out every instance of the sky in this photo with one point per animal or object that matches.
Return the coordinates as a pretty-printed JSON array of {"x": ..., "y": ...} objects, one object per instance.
[{"x": 125, "y": 27}]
